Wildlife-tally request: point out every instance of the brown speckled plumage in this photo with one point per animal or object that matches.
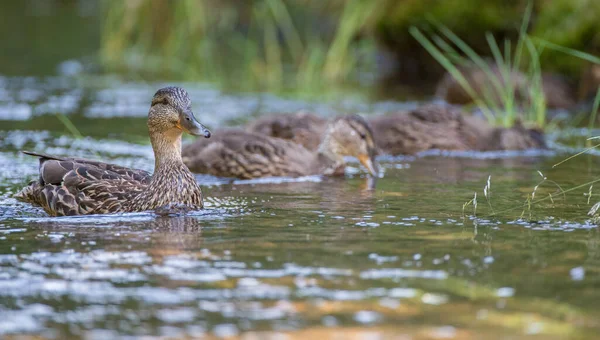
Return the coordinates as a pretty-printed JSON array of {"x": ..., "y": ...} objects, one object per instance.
[
  {"x": 241, "y": 154},
  {"x": 75, "y": 186},
  {"x": 302, "y": 127},
  {"x": 447, "y": 128},
  {"x": 424, "y": 128}
]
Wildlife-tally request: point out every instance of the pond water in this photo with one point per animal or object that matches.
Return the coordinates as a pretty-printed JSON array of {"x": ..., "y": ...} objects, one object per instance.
[{"x": 348, "y": 258}]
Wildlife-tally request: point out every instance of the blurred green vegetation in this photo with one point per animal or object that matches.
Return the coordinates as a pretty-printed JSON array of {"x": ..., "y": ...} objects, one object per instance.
[
  {"x": 272, "y": 44},
  {"x": 468, "y": 19},
  {"x": 38, "y": 35},
  {"x": 507, "y": 96},
  {"x": 324, "y": 48},
  {"x": 569, "y": 23}
]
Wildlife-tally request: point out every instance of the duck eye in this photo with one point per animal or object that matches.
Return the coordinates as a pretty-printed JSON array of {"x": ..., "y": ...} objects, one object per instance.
[
  {"x": 187, "y": 118},
  {"x": 362, "y": 135}
]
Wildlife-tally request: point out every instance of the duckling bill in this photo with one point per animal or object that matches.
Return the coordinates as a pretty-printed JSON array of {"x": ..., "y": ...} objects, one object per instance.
[
  {"x": 240, "y": 154},
  {"x": 76, "y": 186}
]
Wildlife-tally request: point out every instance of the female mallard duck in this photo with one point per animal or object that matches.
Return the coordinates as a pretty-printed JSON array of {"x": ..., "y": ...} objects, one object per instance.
[
  {"x": 241, "y": 154},
  {"x": 424, "y": 128},
  {"x": 75, "y": 186}
]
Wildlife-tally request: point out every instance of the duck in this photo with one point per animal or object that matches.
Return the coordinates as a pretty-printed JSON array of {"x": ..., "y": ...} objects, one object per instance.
[
  {"x": 69, "y": 186},
  {"x": 430, "y": 126},
  {"x": 446, "y": 127},
  {"x": 237, "y": 153},
  {"x": 425, "y": 128},
  {"x": 302, "y": 127}
]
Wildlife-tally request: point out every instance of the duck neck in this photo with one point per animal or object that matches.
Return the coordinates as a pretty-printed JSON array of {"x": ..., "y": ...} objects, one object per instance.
[
  {"x": 167, "y": 150},
  {"x": 172, "y": 182}
]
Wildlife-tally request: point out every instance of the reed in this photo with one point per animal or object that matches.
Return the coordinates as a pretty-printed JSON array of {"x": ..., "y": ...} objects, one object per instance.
[
  {"x": 267, "y": 45},
  {"x": 498, "y": 99}
]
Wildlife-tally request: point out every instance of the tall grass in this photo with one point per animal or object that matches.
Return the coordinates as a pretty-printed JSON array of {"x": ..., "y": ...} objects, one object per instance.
[
  {"x": 499, "y": 98},
  {"x": 267, "y": 44},
  {"x": 583, "y": 56},
  {"x": 504, "y": 98}
]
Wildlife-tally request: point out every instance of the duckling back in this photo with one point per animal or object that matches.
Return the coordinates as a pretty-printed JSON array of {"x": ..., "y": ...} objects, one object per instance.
[
  {"x": 302, "y": 127},
  {"x": 240, "y": 154},
  {"x": 428, "y": 127}
]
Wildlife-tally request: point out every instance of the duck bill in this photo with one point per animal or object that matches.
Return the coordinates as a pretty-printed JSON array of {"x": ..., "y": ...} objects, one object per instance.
[
  {"x": 369, "y": 163},
  {"x": 192, "y": 126}
]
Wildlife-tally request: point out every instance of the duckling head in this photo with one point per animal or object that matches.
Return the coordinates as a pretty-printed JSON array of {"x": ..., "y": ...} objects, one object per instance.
[
  {"x": 351, "y": 136},
  {"x": 171, "y": 114}
]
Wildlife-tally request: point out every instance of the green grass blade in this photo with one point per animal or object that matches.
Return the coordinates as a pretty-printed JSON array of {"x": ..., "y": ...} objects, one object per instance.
[
  {"x": 495, "y": 49},
  {"x": 448, "y": 50},
  {"x": 594, "y": 112},
  {"x": 506, "y": 88},
  {"x": 69, "y": 125},
  {"x": 451, "y": 68},
  {"x": 536, "y": 94},
  {"x": 575, "y": 53},
  {"x": 522, "y": 34},
  {"x": 488, "y": 96},
  {"x": 477, "y": 60},
  {"x": 575, "y": 155}
]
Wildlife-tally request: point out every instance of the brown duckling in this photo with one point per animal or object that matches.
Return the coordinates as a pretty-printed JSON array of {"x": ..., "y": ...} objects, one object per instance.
[
  {"x": 447, "y": 128},
  {"x": 246, "y": 155},
  {"x": 302, "y": 127},
  {"x": 75, "y": 186},
  {"x": 408, "y": 132},
  {"x": 428, "y": 127}
]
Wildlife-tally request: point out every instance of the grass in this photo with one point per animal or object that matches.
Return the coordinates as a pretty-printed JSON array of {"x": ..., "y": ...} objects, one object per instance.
[
  {"x": 323, "y": 47},
  {"x": 503, "y": 99},
  {"x": 594, "y": 113},
  {"x": 69, "y": 125},
  {"x": 499, "y": 98},
  {"x": 583, "y": 56},
  {"x": 531, "y": 200},
  {"x": 266, "y": 45}
]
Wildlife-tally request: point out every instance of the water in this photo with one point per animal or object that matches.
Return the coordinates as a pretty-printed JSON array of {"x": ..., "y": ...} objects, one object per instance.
[{"x": 313, "y": 257}]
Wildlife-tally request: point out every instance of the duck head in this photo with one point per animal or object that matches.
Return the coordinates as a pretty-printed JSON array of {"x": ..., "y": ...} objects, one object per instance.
[
  {"x": 351, "y": 136},
  {"x": 171, "y": 114}
]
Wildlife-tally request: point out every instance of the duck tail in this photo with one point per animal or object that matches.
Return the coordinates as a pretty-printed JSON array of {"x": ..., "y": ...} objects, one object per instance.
[{"x": 27, "y": 194}]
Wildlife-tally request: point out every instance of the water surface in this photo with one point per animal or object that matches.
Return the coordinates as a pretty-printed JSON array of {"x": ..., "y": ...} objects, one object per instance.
[{"x": 315, "y": 257}]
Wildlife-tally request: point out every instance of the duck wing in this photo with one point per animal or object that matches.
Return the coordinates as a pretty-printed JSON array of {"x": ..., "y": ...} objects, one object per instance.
[
  {"x": 241, "y": 154},
  {"x": 73, "y": 186},
  {"x": 53, "y": 168}
]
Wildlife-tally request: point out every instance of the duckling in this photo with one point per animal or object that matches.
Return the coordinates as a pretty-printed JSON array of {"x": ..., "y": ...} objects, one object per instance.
[
  {"x": 427, "y": 127},
  {"x": 76, "y": 186},
  {"x": 240, "y": 154},
  {"x": 302, "y": 127},
  {"x": 447, "y": 128}
]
